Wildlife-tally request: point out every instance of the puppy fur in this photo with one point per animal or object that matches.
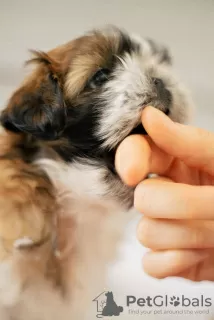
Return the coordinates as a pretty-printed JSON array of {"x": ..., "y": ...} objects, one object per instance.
[{"x": 63, "y": 207}]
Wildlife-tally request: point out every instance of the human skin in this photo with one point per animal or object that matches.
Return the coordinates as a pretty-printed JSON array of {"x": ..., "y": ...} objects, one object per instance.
[{"x": 178, "y": 206}]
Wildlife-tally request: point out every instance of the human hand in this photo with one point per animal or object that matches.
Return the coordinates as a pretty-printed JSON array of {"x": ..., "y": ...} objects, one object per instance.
[{"x": 178, "y": 206}]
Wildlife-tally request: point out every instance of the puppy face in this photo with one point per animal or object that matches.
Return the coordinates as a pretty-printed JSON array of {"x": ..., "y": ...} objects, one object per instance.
[{"x": 88, "y": 95}]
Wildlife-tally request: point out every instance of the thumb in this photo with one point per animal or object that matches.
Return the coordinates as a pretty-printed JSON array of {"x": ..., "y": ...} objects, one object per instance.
[{"x": 192, "y": 145}]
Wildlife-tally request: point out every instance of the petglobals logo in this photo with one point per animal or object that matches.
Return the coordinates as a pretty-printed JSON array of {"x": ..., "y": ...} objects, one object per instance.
[
  {"x": 166, "y": 301},
  {"x": 107, "y": 305}
]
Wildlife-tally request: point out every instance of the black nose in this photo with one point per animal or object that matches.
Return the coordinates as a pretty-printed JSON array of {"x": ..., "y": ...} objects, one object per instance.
[
  {"x": 158, "y": 83},
  {"x": 164, "y": 95}
]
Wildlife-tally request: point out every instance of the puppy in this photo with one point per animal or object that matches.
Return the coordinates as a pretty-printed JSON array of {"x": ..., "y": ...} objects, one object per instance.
[{"x": 63, "y": 206}]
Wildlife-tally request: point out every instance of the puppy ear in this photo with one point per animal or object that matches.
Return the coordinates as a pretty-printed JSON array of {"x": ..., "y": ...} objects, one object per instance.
[
  {"x": 160, "y": 51},
  {"x": 38, "y": 107}
]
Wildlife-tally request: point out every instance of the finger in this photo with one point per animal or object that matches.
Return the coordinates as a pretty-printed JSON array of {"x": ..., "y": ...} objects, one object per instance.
[
  {"x": 174, "y": 200},
  {"x": 163, "y": 234},
  {"x": 162, "y": 264},
  {"x": 137, "y": 156},
  {"x": 192, "y": 145},
  {"x": 201, "y": 271}
]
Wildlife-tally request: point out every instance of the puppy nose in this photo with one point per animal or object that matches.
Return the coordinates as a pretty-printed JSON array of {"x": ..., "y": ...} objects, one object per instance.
[
  {"x": 158, "y": 83},
  {"x": 163, "y": 94}
]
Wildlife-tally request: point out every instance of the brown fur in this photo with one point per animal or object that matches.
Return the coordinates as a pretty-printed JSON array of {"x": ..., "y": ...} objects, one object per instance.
[
  {"x": 27, "y": 206},
  {"x": 70, "y": 65},
  {"x": 76, "y": 60},
  {"x": 91, "y": 55},
  {"x": 27, "y": 188},
  {"x": 27, "y": 201}
]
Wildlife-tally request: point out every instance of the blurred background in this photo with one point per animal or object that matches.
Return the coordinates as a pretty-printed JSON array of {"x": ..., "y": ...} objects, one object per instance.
[{"x": 185, "y": 26}]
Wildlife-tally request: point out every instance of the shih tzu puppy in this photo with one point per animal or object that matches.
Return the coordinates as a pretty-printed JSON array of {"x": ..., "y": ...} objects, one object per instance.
[{"x": 62, "y": 204}]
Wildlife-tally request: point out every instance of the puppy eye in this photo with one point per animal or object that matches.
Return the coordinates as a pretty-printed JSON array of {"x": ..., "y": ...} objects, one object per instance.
[{"x": 98, "y": 78}]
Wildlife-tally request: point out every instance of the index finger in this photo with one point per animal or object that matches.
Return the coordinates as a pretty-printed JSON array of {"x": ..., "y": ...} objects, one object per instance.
[{"x": 194, "y": 146}]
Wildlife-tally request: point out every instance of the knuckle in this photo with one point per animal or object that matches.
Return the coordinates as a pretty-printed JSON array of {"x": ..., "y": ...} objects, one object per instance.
[
  {"x": 139, "y": 197},
  {"x": 198, "y": 238},
  {"x": 176, "y": 259},
  {"x": 144, "y": 233}
]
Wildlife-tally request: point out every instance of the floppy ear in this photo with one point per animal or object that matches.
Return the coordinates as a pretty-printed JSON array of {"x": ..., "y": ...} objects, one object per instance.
[
  {"x": 160, "y": 51},
  {"x": 37, "y": 107}
]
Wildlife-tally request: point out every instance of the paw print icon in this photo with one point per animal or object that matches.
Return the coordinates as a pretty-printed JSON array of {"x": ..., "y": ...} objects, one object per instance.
[{"x": 174, "y": 301}]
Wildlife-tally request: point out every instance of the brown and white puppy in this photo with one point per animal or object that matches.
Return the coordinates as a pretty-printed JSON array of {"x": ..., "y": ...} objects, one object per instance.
[{"x": 63, "y": 126}]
